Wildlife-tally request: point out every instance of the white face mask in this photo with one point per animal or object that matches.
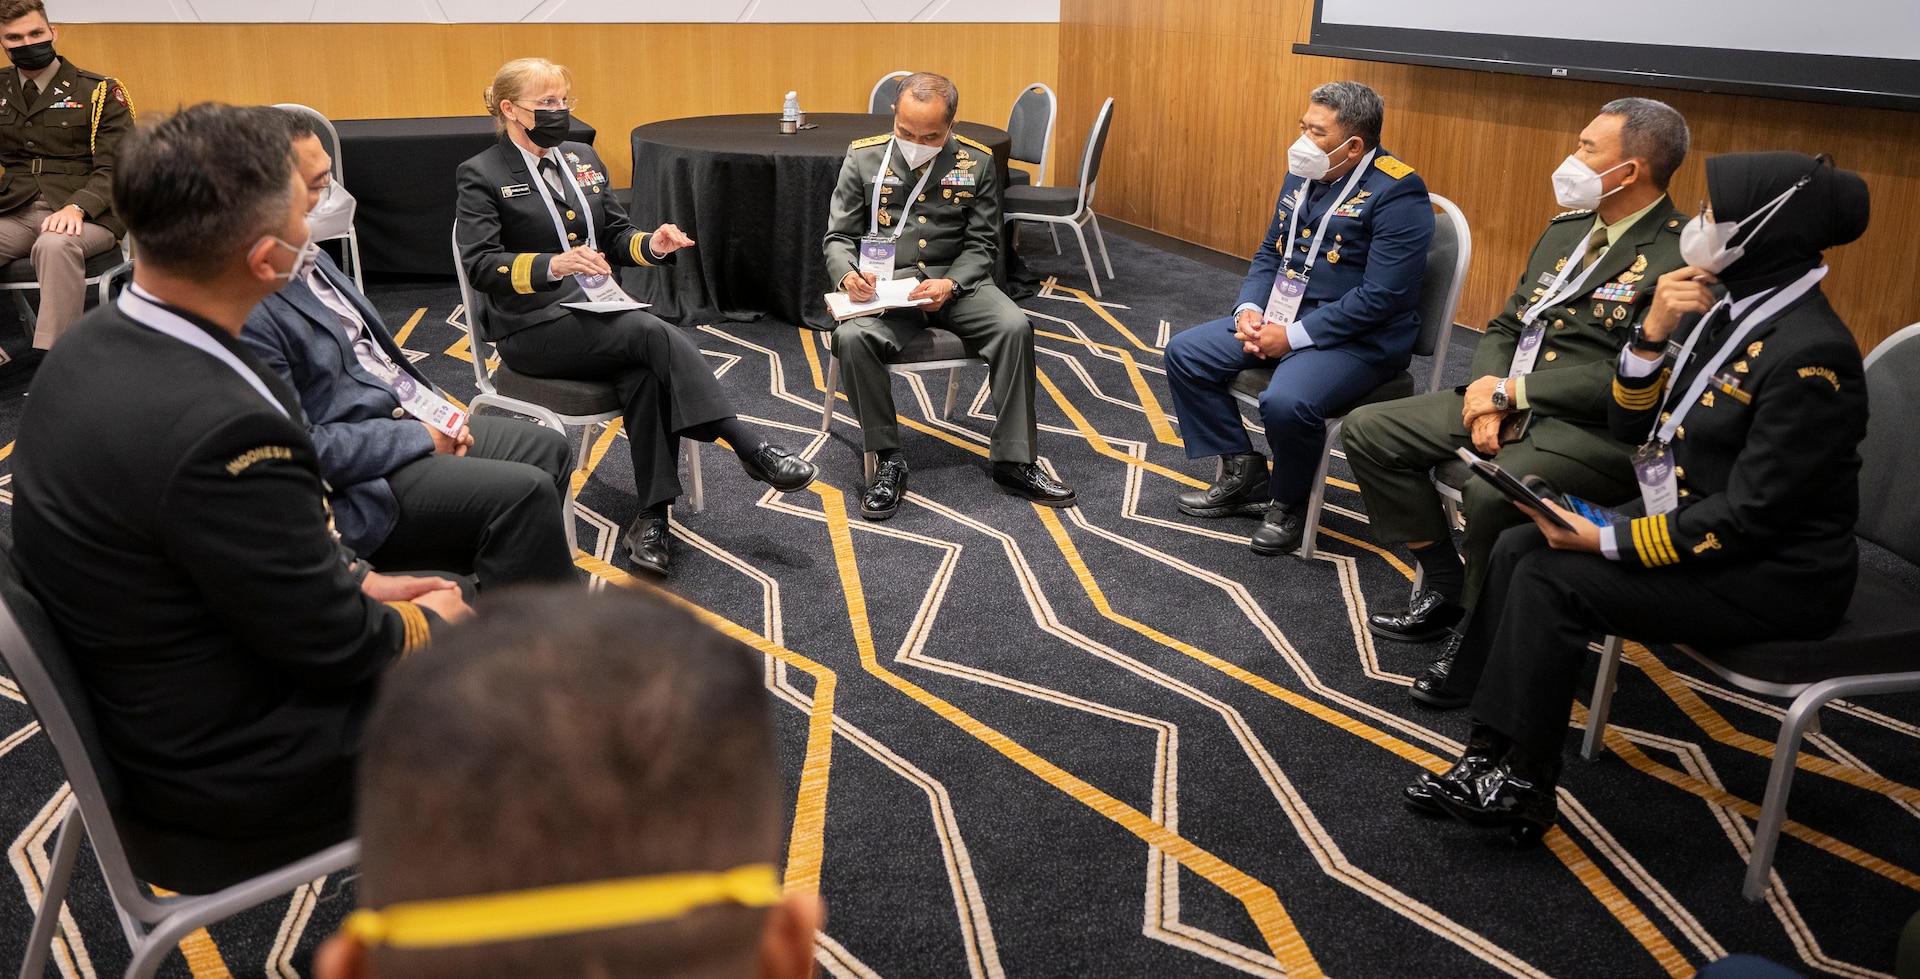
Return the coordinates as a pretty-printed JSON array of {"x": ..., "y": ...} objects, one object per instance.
[
  {"x": 1703, "y": 245},
  {"x": 917, "y": 154},
  {"x": 1305, "y": 158},
  {"x": 305, "y": 257},
  {"x": 332, "y": 216},
  {"x": 1576, "y": 185}
]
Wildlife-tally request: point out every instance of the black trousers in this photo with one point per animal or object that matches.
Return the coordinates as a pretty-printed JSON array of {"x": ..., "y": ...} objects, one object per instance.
[
  {"x": 494, "y": 513},
  {"x": 663, "y": 380},
  {"x": 1526, "y": 644}
]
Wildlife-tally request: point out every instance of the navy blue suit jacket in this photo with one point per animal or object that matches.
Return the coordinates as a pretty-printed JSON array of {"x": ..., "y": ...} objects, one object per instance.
[
  {"x": 1364, "y": 298},
  {"x": 349, "y": 411}
]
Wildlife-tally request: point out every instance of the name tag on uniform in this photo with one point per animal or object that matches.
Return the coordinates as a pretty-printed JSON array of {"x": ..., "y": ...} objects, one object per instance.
[
  {"x": 1546, "y": 279},
  {"x": 876, "y": 257},
  {"x": 1283, "y": 303},
  {"x": 516, "y": 190}
]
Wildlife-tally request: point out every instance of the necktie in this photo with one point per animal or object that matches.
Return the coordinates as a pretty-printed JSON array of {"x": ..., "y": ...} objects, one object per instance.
[
  {"x": 32, "y": 89},
  {"x": 550, "y": 172},
  {"x": 1596, "y": 243}
]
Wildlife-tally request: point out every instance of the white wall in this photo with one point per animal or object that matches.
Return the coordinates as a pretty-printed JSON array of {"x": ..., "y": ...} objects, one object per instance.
[{"x": 554, "y": 11}]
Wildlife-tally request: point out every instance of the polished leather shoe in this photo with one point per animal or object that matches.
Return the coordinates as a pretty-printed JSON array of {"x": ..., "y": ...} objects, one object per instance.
[
  {"x": 1280, "y": 530},
  {"x": 888, "y": 488},
  {"x": 1027, "y": 479},
  {"x": 647, "y": 542},
  {"x": 1482, "y": 751},
  {"x": 1516, "y": 795},
  {"x": 1427, "y": 618},
  {"x": 1430, "y": 688},
  {"x": 779, "y": 468},
  {"x": 1242, "y": 490}
]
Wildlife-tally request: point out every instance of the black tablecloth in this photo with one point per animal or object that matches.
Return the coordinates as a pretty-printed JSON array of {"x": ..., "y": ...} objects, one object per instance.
[
  {"x": 756, "y": 202},
  {"x": 401, "y": 172}
]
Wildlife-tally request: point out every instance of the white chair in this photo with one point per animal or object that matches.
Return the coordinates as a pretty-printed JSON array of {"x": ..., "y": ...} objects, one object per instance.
[
  {"x": 1031, "y": 126},
  {"x": 885, "y": 91},
  {"x": 1876, "y": 648},
  {"x": 154, "y": 925},
  {"x": 1071, "y": 206},
  {"x": 330, "y": 141},
  {"x": 1440, "y": 287},
  {"x": 557, "y": 403},
  {"x": 933, "y": 349}
]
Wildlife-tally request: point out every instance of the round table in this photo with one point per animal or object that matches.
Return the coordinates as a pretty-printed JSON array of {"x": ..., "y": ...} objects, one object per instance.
[{"x": 756, "y": 203}]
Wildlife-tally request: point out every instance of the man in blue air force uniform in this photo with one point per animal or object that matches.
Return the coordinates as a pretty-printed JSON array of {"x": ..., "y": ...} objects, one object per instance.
[{"x": 1329, "y": 303}]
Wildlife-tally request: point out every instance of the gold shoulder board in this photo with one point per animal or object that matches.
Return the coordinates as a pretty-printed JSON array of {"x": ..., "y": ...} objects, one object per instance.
[
  {"x": 870, "y": 141},
  {"x": 976, "y": 145},
  {"x": 1391, "y": 167}
]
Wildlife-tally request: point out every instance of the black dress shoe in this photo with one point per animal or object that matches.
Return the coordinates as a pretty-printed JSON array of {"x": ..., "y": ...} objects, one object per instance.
[
  {"x": 779, "y": 468},
  {"x": 1428, "y": 618},
  {"x": 1430, "y": 688},
  {"x": 1516, "y": 795},
  {"x": 1482, "y": 751},
  {"x": 1281, "y": 530},
  {"x": 1241, "y": 492},
  {"x": 647, "y": 542},
  {"x": 888, "y": 488},
  {"x": 1027, "y": 479}
]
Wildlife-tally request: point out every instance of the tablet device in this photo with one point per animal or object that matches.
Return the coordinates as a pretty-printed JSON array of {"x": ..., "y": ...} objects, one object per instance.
[
  {"x": 1600, "y": 516},
  {"x": 1511, "y": 487}
]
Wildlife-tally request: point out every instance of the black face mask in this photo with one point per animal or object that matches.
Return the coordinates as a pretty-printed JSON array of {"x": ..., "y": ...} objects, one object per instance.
[
  {"x": 550, "y": 127},
  {"x": 32, "y": 57}
]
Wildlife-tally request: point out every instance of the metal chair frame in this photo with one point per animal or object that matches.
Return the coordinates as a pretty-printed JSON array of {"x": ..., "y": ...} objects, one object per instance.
[
  {"x": 488, "y": 397},
  {"x": 103, "y": 281},
  {"x": 952, "y": 365},
  {"x": 1316, "y": 501},
  {"x": 331, "y": 138}
]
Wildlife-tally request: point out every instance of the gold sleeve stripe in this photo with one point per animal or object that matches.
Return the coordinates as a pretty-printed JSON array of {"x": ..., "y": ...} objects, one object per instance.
[
  {"x": 638, "y": 246},
  {"x": 1653, "y": 541},
  {"x": 416, "y": 634},
  {"x": 523, "y": 273},
  {"x": 1665, "y": 527},
  {"x": 1635, "y": 400}
]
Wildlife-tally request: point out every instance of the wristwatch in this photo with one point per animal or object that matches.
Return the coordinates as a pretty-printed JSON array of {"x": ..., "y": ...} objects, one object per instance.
[
  {"x": 1637, "y": 339},
  {"x": 1500, "y": 400}
]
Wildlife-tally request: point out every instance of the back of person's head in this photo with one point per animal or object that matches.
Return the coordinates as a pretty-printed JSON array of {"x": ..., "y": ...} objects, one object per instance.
[
  {"x": 1653, "y": 131},
  {"x": 200, "y": 188},
  {"x": 570, "y": 740},
  {"x": 929, "y": 88},
  {"x": 1358, "y": 109}
]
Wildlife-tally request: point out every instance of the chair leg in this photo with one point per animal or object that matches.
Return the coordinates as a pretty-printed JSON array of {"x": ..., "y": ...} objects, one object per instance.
[
  {"x": 29, "y": 317},
  {"x": 66, "y": 851},
  {"x": 1054, "y": 230},
  {"x": 833, "y": 387},
  {"x": 1318, "y": 498},
  {"x": 1419, "y": 578},
  {"x": 696, "y": 495},
  {"x": 1098, "y": 236},
  {"x": 953, "y": 390},
  {"x": 1602, "y": 701},
  {"x": 870, "y": 462},
  {"x": 573, "y": 492},
  {"x": 1087, "y": 257},
  {"x": 1773, "y": 809}
]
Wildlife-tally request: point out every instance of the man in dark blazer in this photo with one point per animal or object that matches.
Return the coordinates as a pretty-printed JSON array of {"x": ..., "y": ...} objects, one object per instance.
[
  {"x": 1597, "y": 264},
  {"x": 1349, "y": 237},
  {"x": 484, "y": 499},
  {"x": 169, "y": 512},
  {"x": 59, "y": 125}
]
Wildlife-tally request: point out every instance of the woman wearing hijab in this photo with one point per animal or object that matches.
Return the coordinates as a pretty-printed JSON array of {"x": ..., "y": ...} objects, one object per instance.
[
  {"x": 1749, "y": 422},
  {"x": 539, "y": 228}
]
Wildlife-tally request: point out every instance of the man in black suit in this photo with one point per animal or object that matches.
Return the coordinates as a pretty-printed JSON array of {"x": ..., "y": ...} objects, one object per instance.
[
  {"x": 414, "y": 482},
  {"x": 169, "y": 512}
]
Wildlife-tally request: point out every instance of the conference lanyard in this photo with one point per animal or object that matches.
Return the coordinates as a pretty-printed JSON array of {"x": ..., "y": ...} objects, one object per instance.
[
  {"x": 1663, "y": 431},
  {"x": 559, "y": 228},
  {"x": 1554, "y": 292},
  {"x": 873, "y": 221},
  {"x": 1300, "y": 203},
  {"x": 144, "y": 309}
]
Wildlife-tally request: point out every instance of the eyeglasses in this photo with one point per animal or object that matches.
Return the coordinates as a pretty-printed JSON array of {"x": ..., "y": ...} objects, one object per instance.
[{"x": 549, "y": 104}]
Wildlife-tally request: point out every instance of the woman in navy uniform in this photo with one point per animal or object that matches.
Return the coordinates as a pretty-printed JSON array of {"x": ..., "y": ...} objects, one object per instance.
[
  {"x": 538, "y": 227},
  {"x": 1749, "y": 535}
]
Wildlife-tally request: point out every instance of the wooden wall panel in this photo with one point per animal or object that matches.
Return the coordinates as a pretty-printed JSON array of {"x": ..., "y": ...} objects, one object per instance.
[
  {"x": 624, "y": 74},
  {"x": 1207, "y": 92}
]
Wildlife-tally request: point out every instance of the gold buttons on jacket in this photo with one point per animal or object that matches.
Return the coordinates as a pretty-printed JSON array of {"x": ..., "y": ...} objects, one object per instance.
[
  {"x": 572, "y": 237},
  {"x": 1553, "y": 354},
  {"x": 571, "y": 215},
  {"x": 923, "y": 243}
]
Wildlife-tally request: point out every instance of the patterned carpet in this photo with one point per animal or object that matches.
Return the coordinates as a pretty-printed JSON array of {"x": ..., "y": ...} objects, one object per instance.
[{"x": 1110, "y": 741}]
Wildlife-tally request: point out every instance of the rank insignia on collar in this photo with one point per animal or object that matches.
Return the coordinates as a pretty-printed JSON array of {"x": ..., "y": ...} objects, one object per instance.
[
  {"x": 1754, "y": 348},
  {"x": 1639, "y": 264}
]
